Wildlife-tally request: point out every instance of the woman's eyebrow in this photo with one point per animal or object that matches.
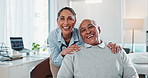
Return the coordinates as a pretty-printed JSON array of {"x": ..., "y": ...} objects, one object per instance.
[
  {"x": 61, "y": 16},
  {"x": 71, "y": 17}
]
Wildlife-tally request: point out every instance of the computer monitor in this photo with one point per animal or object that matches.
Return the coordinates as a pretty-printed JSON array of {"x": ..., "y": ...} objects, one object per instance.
[{"x": 16, "y": 43}]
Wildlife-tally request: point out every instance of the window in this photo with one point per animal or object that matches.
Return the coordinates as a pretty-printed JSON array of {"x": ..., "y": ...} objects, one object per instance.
[{"x": 28, "y": 19}]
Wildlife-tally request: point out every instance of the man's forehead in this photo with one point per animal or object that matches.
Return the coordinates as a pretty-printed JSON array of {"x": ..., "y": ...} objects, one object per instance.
[{"x": 86, "y": 23}]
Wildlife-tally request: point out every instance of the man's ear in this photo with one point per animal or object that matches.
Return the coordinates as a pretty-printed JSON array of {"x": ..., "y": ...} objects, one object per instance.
[{"x": 99, "y": 29}]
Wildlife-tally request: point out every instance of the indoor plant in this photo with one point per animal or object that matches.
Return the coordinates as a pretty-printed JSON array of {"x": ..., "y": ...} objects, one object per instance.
[{"x": 36, "y": 48}]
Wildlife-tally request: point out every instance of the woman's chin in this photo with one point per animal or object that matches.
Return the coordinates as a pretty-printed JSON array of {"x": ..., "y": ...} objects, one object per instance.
[{"x": 67, "y": 32}]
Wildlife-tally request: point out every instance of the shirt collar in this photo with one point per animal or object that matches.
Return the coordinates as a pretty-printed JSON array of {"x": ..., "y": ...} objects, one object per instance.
[
  {"x": 75, "y": 37},
  {"x": 102, "y": 45}
]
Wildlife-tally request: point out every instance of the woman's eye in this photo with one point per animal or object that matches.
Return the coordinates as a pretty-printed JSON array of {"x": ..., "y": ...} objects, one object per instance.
[
  {"x": 70, "y": 18},
  {"x": 61, "y": 18}
]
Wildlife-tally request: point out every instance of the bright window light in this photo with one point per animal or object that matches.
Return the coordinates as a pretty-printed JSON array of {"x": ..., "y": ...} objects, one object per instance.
[{"x": 93, "y": 1}]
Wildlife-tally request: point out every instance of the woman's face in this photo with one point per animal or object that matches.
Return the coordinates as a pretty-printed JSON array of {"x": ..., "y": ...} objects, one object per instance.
[{"x": 66, "y": 21}]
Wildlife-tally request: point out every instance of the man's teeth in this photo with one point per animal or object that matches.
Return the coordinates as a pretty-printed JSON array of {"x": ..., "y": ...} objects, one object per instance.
[
  {"x": 90, "y": 36},
  {"x": 66, "y": 27}
]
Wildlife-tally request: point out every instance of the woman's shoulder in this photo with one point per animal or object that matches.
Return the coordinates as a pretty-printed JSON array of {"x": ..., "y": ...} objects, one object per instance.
[{"x": 54, "y": 32}]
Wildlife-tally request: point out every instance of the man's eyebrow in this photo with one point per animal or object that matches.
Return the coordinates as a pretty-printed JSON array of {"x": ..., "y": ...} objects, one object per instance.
[
  {"x": 89, "y": 24},
  {"x": 81, "y": 28},
  {"x": 84, "y": 26}
]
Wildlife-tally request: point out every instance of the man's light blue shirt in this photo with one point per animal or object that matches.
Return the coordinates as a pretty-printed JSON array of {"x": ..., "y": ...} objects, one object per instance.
[{"x": 57, "y": 44}]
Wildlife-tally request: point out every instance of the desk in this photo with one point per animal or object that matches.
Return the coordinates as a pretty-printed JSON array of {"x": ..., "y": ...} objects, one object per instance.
[{"x": 20, "y": 68}]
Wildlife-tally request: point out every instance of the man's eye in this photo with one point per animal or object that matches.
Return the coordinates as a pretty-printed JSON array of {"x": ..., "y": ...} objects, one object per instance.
[{"x": 82, "y": 30}]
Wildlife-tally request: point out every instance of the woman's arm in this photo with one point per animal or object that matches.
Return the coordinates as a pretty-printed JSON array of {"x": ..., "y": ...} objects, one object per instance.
[
  {"x": 70, "y": 49},
  {"x": 115, "y": 48},
  {"x": 55, "y": 52}
]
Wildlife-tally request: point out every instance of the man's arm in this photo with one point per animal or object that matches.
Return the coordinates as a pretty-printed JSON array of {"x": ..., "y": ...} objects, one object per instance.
[
  {"x": 129, "y": 70},
  {"x": 67, "y": 69}
]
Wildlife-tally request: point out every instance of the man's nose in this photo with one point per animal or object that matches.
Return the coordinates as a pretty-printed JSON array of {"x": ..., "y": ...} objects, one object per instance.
[{"x": 87, "y": 31}]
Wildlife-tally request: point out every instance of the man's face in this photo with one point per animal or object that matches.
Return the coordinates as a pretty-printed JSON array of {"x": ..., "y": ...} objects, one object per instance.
[
  {"x": 66, "y": 21},
  {"x": 89, "y": 32}
]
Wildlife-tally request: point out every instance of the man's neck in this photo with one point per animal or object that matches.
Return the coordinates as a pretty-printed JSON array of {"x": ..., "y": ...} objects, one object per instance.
[{"x": 99, "y": 42}]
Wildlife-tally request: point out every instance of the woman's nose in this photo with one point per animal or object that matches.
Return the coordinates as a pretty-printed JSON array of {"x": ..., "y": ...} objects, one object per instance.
[{"x": 65, "y": 22}]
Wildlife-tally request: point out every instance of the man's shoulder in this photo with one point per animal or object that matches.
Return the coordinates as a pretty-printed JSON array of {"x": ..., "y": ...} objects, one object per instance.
[
  {"x": 82, "y": 46},
  {"x": 76, "y": 53}
]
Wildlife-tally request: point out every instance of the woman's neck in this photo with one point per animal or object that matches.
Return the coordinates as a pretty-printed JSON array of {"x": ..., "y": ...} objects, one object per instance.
[{"x": 67, "y": 37}]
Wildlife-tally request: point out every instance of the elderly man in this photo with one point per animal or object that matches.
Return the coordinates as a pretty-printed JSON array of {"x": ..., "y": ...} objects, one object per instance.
[{"x": 87, "y": 63}]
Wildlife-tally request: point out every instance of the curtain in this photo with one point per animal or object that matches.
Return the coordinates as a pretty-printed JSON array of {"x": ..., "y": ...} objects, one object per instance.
[{"x": 27, "y": 19}]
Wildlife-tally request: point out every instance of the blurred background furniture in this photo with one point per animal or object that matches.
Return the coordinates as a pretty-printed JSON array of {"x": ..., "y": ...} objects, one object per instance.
[
  {"x": 127, "y": 50},
  {"x": 140, "y": 62}
]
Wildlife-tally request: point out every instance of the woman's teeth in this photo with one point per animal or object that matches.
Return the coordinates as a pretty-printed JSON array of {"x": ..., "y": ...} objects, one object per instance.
[{"x": 66, "y": 27}]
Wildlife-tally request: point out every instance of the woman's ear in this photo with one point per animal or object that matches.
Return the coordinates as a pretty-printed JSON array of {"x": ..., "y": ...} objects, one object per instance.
[
  {"x": 75, "y": 22},
  {"x": 57, "y": 19}
]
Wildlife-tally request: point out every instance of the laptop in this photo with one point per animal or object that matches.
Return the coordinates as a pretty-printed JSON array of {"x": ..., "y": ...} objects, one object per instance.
[{"x": 18, "y": 45}]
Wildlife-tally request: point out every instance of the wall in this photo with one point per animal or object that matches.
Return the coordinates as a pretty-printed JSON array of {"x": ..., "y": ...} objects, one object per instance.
[
  {"x": 107, "y": 14},
  {"x": 62, "y": 3}
]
